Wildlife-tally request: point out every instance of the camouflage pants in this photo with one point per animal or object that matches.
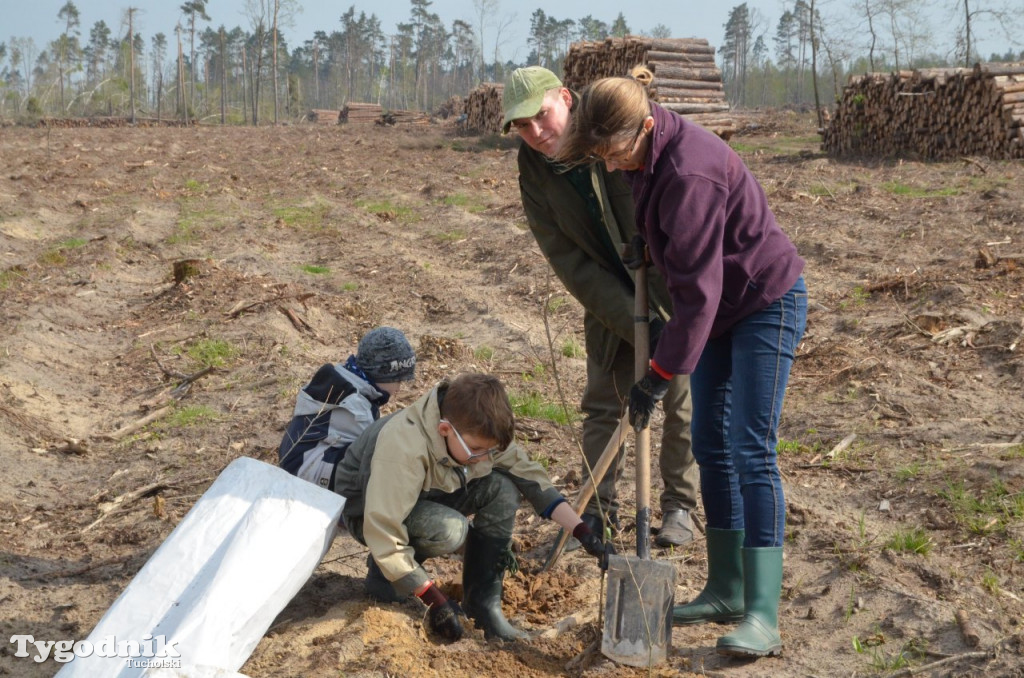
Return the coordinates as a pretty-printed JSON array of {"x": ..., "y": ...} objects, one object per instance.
[{"x": 438, "y": 523}]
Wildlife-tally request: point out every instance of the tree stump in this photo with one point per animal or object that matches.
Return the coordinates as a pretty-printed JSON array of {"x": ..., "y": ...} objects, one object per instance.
[{"x": 187, "y": 268}]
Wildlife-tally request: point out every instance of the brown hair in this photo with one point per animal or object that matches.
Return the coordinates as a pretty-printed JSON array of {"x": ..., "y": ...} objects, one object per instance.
[
  {"x": 477, "y": 403},
  {"x": 610, "y": 110}
]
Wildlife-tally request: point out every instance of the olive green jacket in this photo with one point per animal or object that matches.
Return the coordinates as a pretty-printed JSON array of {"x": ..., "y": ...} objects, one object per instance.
[{"x": 568, "y": 235}]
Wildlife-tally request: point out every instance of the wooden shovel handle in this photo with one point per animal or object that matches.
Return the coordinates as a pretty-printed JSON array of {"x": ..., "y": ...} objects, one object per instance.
[
  {"x": 590, "y": 485},
  {"x": 641, "y": 349}
]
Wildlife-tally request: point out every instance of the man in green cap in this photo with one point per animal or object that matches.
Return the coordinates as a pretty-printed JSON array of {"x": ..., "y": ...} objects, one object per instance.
[{"x": 581, "y": 216}]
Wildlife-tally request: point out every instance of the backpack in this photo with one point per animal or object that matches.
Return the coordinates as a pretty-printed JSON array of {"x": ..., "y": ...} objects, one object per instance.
[{"x": 304, "y": 450}]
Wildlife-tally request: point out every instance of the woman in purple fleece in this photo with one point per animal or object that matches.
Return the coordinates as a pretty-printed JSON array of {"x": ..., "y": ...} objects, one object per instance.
[{"x": 739, "y": 312}]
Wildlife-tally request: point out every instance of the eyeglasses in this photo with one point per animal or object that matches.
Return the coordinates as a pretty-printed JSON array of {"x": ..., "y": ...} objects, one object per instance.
[
  {"x": 623, "y": 156},
  {"x": 472, "y": 455}
]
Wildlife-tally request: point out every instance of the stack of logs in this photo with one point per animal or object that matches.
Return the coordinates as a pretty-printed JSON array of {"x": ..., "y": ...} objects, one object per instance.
[
  {"x": 360, "y": 113},
  {"x": 397, "y": 117},
  {"x": 324, "y": 116},
  {"x": 453, "y": 108},
  {"x": 686, "y": 79},
  {"x": 932, "y": 113},
  {"x": 110, "y": 121},
  {"x": 483, "y": 108}
]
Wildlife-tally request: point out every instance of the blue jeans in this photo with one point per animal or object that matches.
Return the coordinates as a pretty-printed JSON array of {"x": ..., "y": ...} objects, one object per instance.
[{"x": 737, "y": 388}]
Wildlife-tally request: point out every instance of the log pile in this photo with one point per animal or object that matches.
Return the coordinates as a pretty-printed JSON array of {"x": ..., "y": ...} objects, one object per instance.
[
  {"x": 112, "y": 121},
  {"x": 932, "y": 113},
  {"x": 483, "y": 108},
  {"x": 453, "y": 108},
  {"x": 686, "y": 79},
  {"x": 324, "y": 116},
  {"x": 360, "y": 113},
  {"x": 397, "y": 117}
]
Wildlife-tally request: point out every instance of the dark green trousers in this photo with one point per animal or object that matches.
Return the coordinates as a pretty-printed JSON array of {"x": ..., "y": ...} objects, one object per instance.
[
  {"x": 438, "y": 523},
  {"x": 605, "y": 401}
]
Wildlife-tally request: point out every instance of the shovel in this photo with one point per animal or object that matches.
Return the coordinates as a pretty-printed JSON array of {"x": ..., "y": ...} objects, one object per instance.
[
  {"x": 587, "y": 491},
  {"x": 638, "y": 604}
]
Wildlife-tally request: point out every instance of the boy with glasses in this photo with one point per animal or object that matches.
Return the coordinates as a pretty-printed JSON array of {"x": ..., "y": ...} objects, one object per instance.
[{"x": 412, "y": 479}]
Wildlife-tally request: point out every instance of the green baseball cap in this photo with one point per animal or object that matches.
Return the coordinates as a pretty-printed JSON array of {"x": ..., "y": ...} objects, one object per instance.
[{"x": 524, "y": 93}]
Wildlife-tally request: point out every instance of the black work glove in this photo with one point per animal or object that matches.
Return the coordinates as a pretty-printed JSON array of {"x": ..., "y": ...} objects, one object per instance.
[
  {"x": 443, "y": 614},
  {"x": 593, "y": 544},
  {"x": 656, "y": 326},
  {"x": 644, "y": 395},
  {"x": 444, "y": 619},
  {"x": 637, "y": 253}
]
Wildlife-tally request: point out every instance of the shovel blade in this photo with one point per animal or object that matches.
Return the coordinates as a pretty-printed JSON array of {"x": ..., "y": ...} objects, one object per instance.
[{"x": 638, "y": 611}]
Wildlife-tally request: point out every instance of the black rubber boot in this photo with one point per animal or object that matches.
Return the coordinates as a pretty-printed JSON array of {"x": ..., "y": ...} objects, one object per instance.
[
  {"x": 593, "y": 521},
  {"x": 483, "y": 573},
  {"x": 377, "y": 586}
]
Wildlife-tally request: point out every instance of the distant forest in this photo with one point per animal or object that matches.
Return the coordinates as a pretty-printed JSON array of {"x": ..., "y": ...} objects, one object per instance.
[{"x": 250, "y": 74}]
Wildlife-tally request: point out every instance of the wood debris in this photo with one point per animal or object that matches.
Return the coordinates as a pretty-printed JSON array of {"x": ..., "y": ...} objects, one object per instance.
[{"x": 357, "y": 113}]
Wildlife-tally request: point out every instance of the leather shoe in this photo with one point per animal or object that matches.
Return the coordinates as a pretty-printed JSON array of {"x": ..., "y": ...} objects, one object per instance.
[{"x": 676, "y": 529}]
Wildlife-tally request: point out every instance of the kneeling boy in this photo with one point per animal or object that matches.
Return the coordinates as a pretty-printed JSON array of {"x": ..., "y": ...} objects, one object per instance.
[{"x": 412, "y": 478}]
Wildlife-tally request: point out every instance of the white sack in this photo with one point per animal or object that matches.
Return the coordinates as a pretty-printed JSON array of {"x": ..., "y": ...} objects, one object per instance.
[
  {"x": 193, "y": 672},
  {"x": 220, "y": 578}
]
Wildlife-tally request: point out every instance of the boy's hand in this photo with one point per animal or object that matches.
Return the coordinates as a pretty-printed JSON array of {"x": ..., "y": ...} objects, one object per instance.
[
  {"x": 593, "y": 544},
  {"x": 444, "y": 619},
  {"x": 444, "y": 613}
]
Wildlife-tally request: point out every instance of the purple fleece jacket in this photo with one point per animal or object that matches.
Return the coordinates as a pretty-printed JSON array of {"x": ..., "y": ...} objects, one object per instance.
[{"x": 711, "y": 234}]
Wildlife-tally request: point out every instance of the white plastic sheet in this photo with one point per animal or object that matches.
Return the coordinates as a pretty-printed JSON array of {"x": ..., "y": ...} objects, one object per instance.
[
  {"x": 215, "y": 585},
  {"x": 193, "y": 672}
]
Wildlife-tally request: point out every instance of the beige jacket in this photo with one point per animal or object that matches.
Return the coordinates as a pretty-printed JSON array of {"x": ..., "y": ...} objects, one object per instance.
[{"x": 399, "y": 458}]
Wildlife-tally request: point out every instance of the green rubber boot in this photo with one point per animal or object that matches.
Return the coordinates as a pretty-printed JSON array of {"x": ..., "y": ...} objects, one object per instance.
[
  {"x": 758, "y": 633},
  {"x": 721, "y": 601},
  {"x": 483, "y": 572}
]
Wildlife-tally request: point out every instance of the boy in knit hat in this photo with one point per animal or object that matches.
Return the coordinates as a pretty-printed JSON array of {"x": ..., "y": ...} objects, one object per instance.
[{"x": 340, "y": 401}]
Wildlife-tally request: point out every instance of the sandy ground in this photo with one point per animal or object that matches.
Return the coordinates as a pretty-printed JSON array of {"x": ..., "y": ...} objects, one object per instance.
[{"x": 903, "y": 422}]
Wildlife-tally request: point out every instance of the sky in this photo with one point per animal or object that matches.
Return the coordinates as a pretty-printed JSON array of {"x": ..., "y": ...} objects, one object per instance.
[{"x": 685, "y": 18}]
